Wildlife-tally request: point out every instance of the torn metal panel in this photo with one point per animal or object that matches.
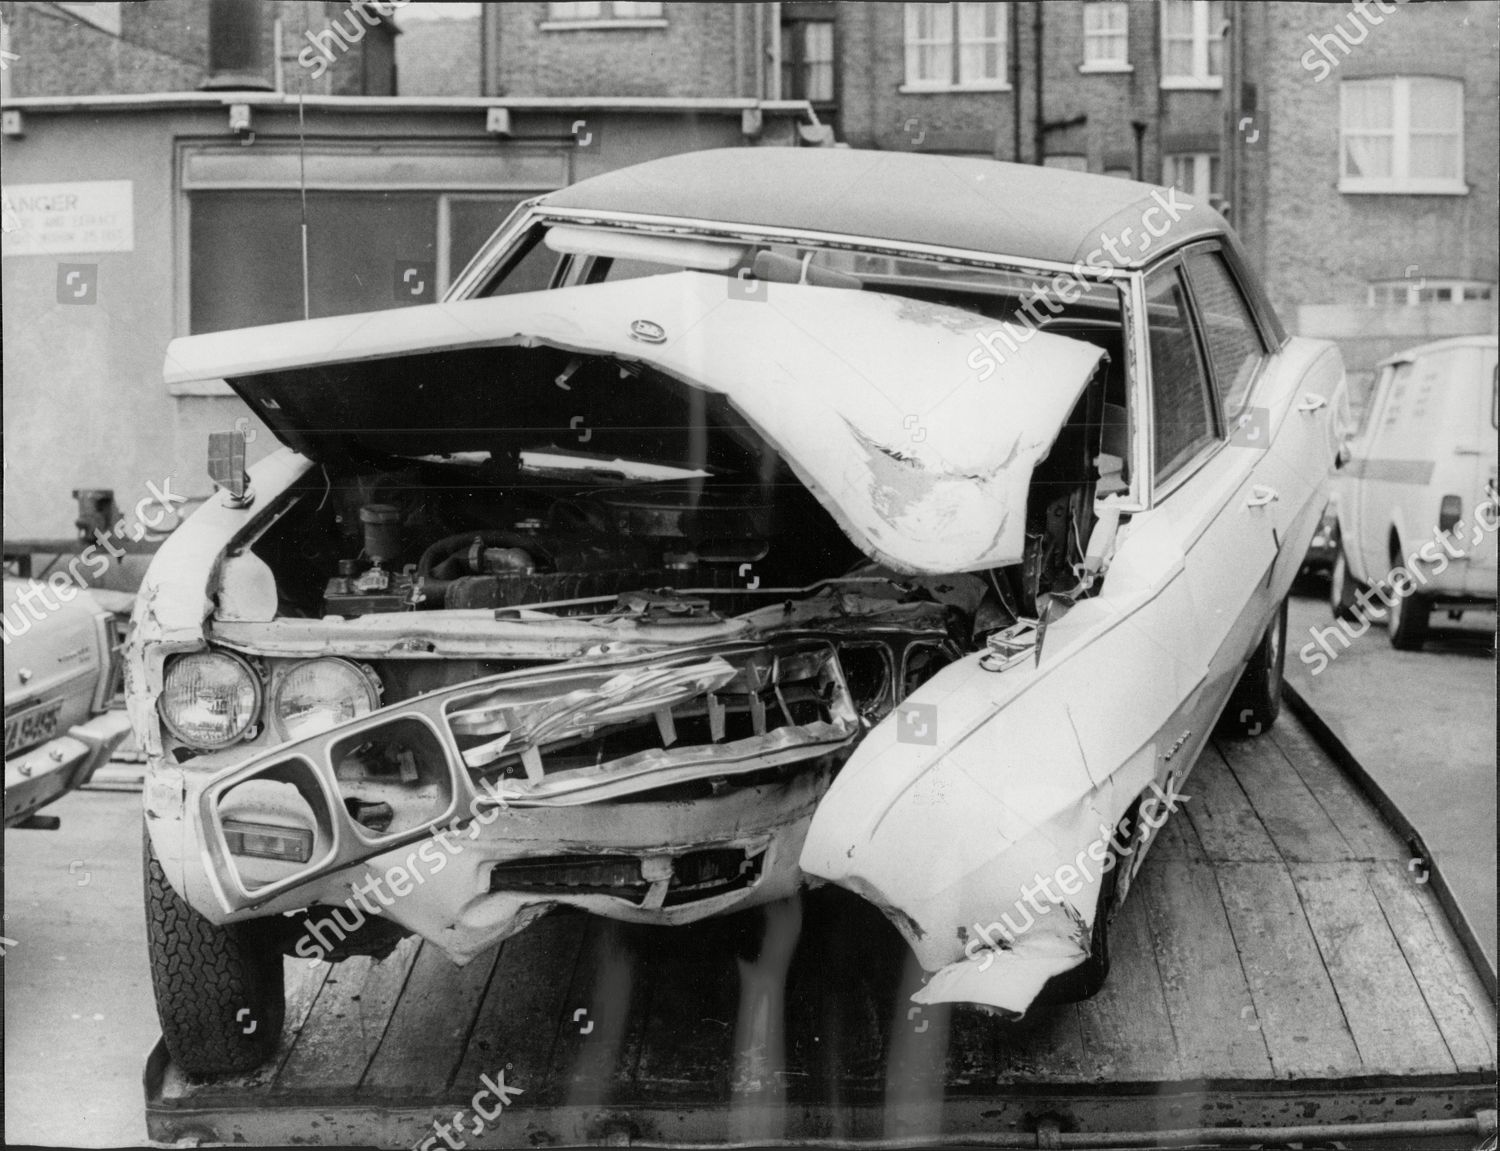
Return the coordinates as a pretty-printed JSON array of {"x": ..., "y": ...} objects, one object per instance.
[{"x": 872, "y": 400}]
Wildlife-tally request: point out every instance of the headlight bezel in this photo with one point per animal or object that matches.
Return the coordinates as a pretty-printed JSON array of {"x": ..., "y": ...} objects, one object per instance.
[
  {"x": 365, "y": 676},
  {"x": 248, "y": 730}
]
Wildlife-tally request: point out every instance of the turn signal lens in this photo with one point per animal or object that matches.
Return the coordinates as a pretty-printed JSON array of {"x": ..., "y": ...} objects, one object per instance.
[{"x": 268, "y": 841}]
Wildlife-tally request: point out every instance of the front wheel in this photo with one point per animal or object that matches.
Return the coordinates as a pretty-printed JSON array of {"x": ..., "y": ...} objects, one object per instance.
[
  {"x": 1256, "y": 701},
  {"x": 1342, "y": 589},
  {"x": 219, "y": 990},
  {"x": 1409, "y": 616}
]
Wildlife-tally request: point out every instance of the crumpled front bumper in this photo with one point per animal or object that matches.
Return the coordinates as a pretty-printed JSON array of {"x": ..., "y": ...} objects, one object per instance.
[
  {"x": 48, "y": 772},
  {"x": 677, "y": 781}
]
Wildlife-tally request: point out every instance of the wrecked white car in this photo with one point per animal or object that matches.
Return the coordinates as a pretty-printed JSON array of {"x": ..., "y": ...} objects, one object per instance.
[{"x": 741, "y": 520}]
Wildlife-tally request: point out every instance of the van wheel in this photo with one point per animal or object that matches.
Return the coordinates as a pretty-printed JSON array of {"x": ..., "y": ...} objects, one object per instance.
[
  {"x": 1409, "y": 616},
  {"x": 212, "y": 983},
  {"x": 1256, "y": 700},
  {"x": 1342, "y": 589}
]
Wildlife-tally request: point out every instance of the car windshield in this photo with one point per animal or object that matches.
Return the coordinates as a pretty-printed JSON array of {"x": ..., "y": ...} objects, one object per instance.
[{"x": 557, "y": 254}]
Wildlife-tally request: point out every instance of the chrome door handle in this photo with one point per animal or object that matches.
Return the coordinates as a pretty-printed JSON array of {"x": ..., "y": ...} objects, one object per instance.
[
  {"x": 1260, "y": 496},
  {"x": 1311, "y": 402}
]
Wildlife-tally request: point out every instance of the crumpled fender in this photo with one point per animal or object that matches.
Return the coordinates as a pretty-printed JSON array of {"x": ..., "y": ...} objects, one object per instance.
[{"x": 1026, "y": 777}]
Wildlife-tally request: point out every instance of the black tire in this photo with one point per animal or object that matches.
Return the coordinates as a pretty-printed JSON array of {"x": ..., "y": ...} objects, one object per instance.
[
  {"x": 1342, "y": 588},
  {"x": 1409, "y": 615},
  {"x": 1256, "y": 700},
  {"x": 1085, "y": 980},
  {"x": 211, "y": 982}
]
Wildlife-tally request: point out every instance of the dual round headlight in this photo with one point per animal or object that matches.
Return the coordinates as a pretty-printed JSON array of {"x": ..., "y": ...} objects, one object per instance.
[
  {"x": 212, "y": 699},
  {"x": 320, "y": 694}
]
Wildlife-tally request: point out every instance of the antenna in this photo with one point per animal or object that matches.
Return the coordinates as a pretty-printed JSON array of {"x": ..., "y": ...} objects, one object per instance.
[{"x": 302, "y": 184}]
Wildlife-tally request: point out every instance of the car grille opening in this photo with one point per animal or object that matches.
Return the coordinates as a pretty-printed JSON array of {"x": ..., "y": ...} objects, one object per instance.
[{"x": 695, "y": 875}]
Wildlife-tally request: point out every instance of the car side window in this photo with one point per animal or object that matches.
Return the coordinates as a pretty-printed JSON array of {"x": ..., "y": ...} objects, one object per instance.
[
  {"x": 1182, "y": 418},
  {"x": 1235, "y": 348}
]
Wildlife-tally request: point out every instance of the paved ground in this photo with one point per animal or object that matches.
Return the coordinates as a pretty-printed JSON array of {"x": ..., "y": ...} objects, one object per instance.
[
  {"x": 79, "y": 1013},
  {"x": 78, "y": 1003},
  {"x": 1423, "y": 725}
]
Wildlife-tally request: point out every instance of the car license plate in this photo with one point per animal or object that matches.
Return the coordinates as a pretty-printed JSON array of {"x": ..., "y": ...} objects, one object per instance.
[{"x": 33, "y": 726}]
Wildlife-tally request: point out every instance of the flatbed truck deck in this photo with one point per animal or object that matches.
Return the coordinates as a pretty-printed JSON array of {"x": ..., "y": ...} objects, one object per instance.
[{"x": 1282, "y": 972}]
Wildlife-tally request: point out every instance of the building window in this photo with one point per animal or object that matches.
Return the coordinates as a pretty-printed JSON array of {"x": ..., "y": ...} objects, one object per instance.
[
  {"x": 1106, "y": 25},
  {"x": 1192, "y": 44},
  {"x": 1195, "y": 174},
  {"x": 1410, "y": 293},
  {"x": 1401, "y": 134},
  {"x": 807, "y": 60},
  {"x": 955, "y": 46},
  {"x": 597, "y": 13},
  {"x": 1120, "y": 173}
]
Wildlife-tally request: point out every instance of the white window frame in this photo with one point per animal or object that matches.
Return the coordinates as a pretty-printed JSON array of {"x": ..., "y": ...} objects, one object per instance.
[
  {"x": 1201, "y": 35},
  {"x": 1202, "y": 190},
  {"x": 604, "y": 14},
  {"x": 1400, "y": 181},
  {"x": 955, "y": 81},
  {"x": 1094, "y": 11}
]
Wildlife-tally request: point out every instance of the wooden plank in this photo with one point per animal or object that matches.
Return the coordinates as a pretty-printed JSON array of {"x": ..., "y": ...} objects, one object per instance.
[
  {"x": 1450, "y": 985},
  {"x": 1044, "y": 1046},
  {"x": 1300, "y": 829},
  {"x": 1127, "y": 1033},
  {"x": 687, "y": 1041},
  {"x": 1360, "y": 825},
  {"x": 1391, "y": 1024},
  {"x": 344, "y": 1028},
  {"x": 840, "y": 1042},
  {"x": 522, "y": 1011},
  {"x": 430, "y": 1027},
  {"x": 593, "y": 1059},
  {"x": 1222, "y": 815},
  {"x": 1177, "y": 839},
  {"x": 1202, "y": 982},
  {"x": 1296, "y": 1008}
]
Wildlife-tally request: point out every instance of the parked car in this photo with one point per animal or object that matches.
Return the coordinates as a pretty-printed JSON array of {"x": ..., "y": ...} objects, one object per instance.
[
  {"x": 62, "y": 670},
  {"x": 1421, "y": 470},
  {"x": 739, "y": 517}
]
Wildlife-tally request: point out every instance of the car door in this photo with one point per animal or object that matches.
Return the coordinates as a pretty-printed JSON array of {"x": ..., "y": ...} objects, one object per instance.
[
  {"x": 1209, "y": 494},
  {"x": 1277, "y": 406},
  {"x": 1349, "y": 487},
  {"x": 1391, "y": 463}
]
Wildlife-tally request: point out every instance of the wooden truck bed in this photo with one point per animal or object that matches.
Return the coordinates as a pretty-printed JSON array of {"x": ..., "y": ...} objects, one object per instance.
[{"x": 1281, "y": 962}]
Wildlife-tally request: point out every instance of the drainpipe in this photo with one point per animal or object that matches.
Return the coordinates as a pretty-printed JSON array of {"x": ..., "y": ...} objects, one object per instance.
[
  {"x": 775, "y": 84},
  {"x": 1015, "y": 82},
  {"x": 760, "y": 51},
  {"x": 1040, "y": 128},
  {"x": 236, "y": 46},
  {"x": 738, "y": 88}
]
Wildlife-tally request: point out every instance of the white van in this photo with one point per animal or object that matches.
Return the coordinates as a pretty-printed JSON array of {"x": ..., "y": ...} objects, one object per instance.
[{"x": 1417, "y": 492}]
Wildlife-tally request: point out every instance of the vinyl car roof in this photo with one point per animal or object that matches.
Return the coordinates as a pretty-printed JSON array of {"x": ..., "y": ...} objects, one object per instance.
[{"x": 1018, "y": 210}]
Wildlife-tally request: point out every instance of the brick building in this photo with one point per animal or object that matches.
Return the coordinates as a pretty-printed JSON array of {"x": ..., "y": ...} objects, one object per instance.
[
  {"x": 1369, "y": 196},
  {"x": 322, "y": 49}
]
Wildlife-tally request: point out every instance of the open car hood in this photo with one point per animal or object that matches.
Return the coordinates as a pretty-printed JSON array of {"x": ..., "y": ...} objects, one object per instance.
[{"x": 875, "y": 401}]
